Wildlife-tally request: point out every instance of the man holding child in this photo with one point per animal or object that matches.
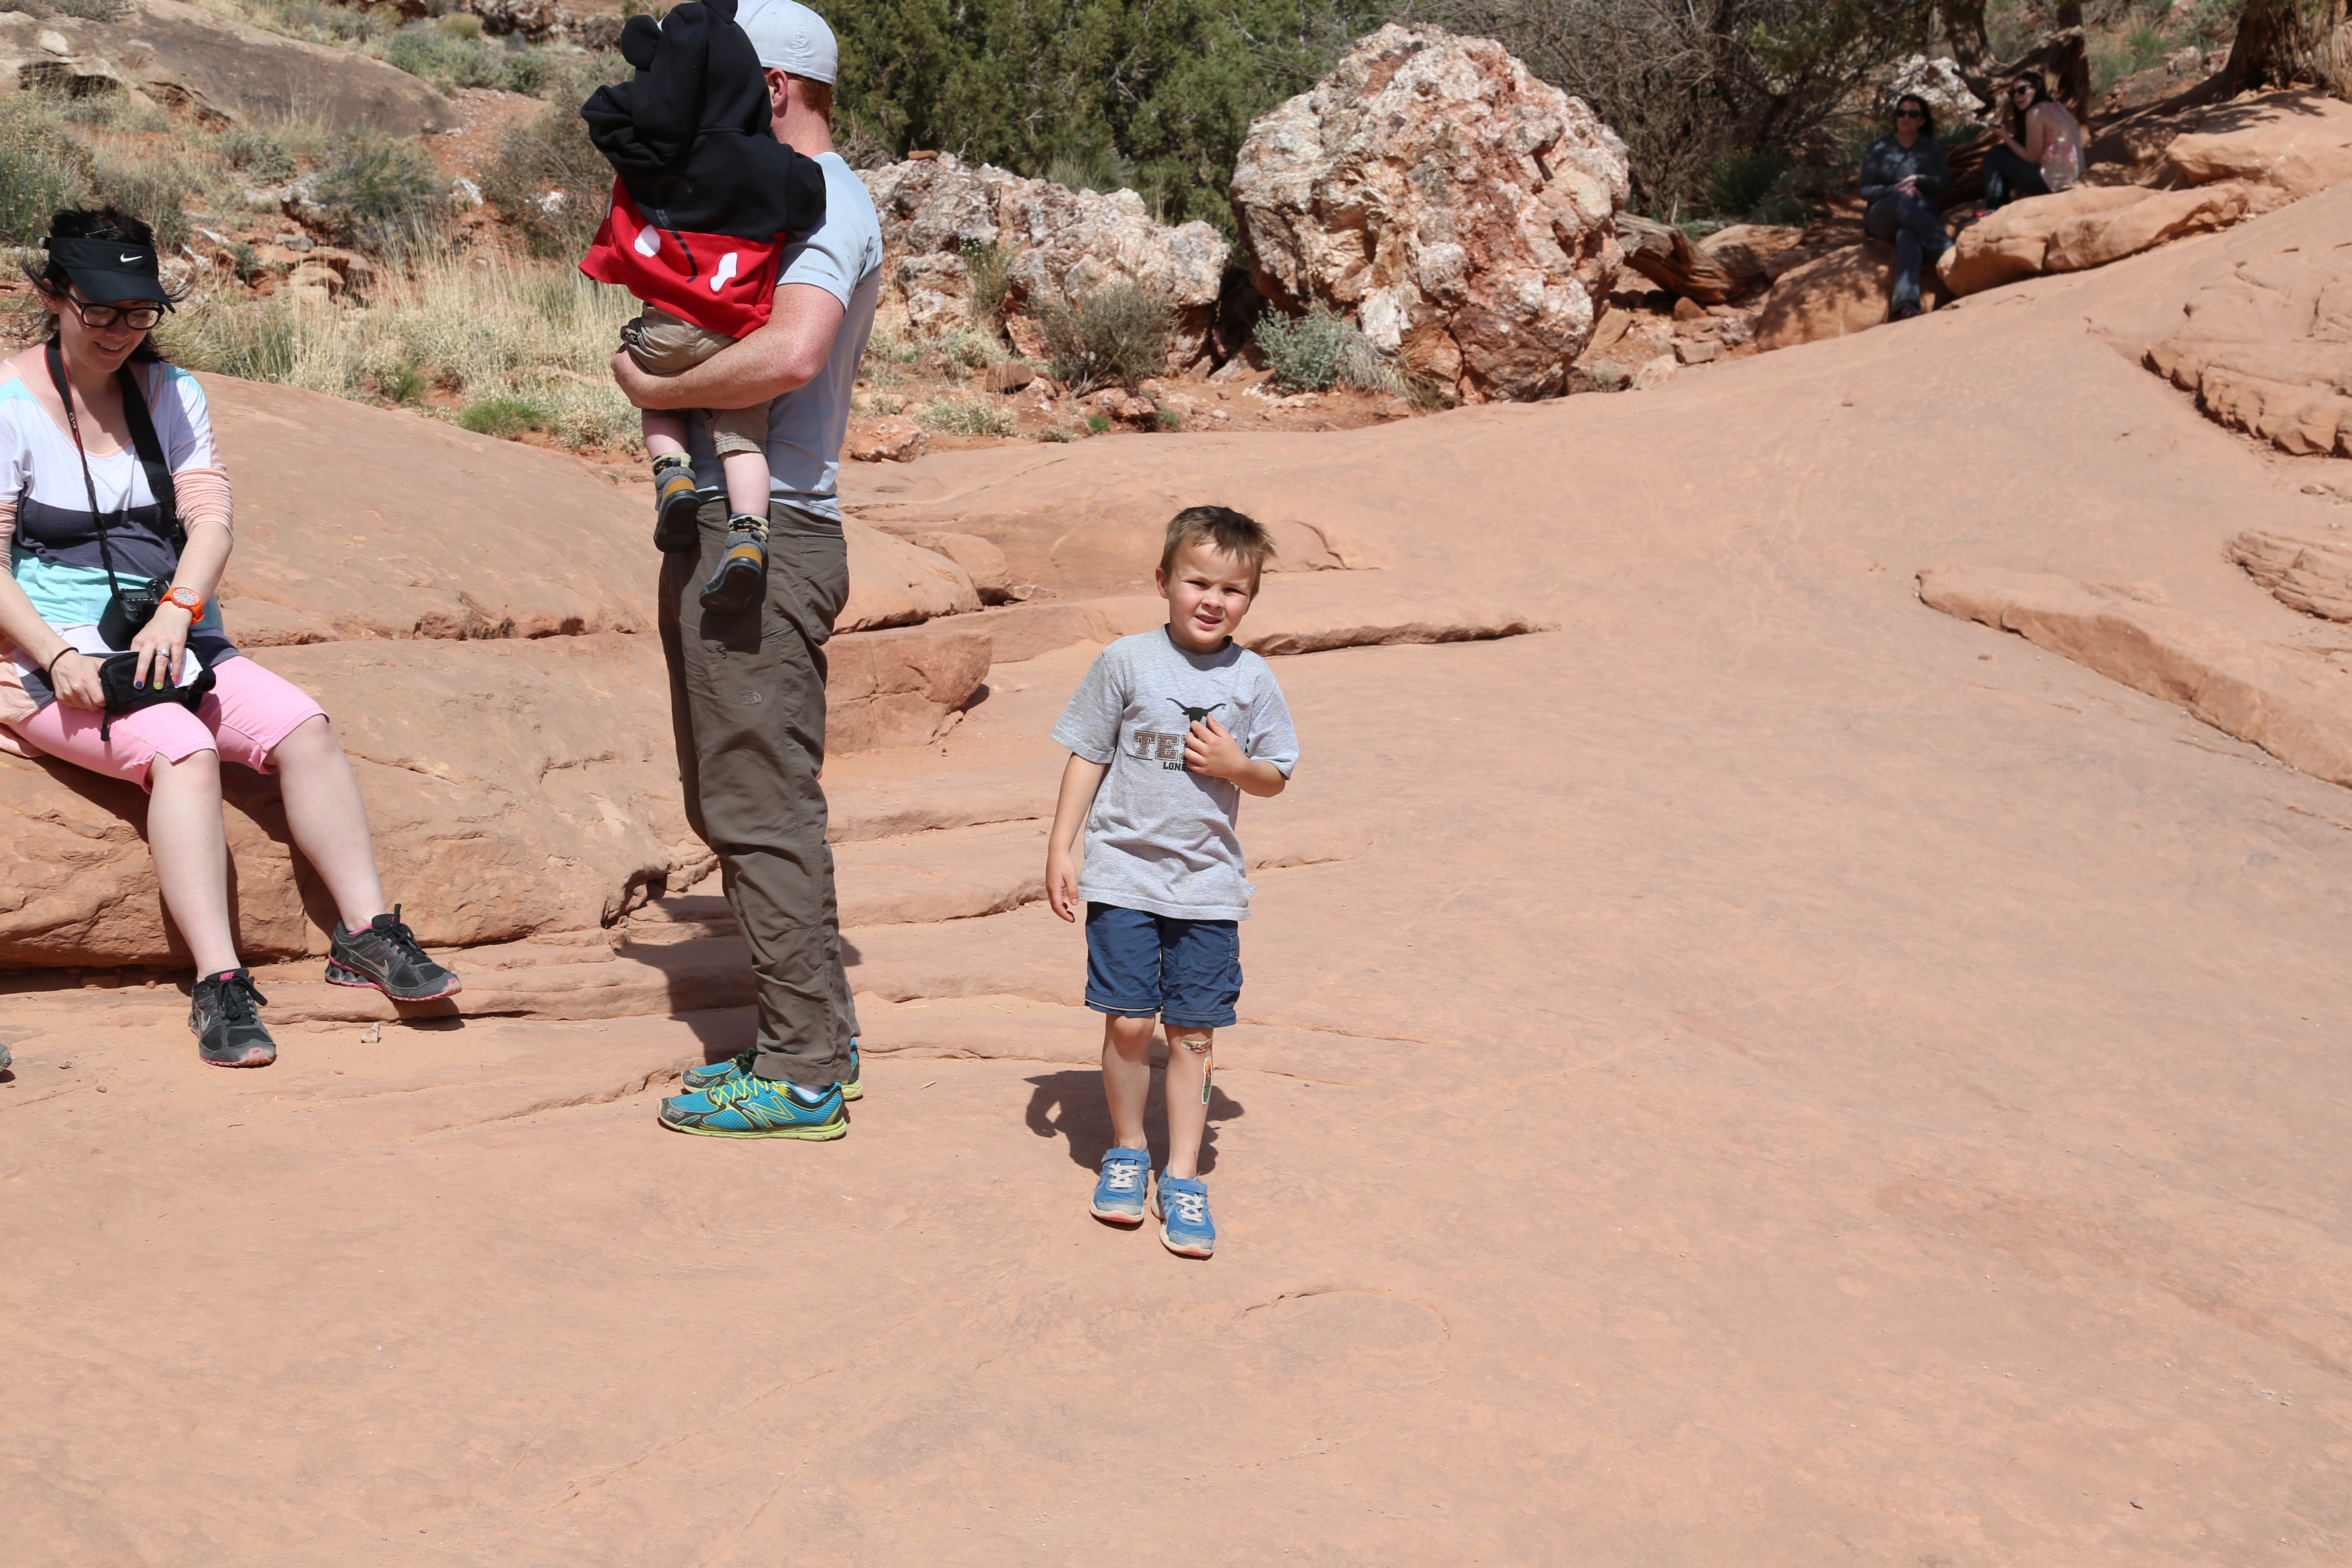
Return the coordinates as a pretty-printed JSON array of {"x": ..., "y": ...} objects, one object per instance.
[{"x": 747, "y": 685}]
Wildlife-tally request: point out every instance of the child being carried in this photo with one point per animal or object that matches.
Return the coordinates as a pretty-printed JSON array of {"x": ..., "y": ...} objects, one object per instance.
[{"x": 703, "y": 202}]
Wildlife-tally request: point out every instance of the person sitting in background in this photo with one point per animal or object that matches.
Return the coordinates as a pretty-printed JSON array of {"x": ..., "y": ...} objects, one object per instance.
[
  {"x": 1901, "y": 175},
  {"x": 2044, "y": 156}
]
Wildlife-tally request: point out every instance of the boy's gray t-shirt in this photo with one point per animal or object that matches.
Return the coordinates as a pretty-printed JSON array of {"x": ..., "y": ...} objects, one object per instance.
[{"x": 1161, "y": 837}]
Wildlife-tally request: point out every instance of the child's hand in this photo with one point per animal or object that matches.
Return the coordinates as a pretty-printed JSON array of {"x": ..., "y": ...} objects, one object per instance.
[
  {"x": 1061, "y": 882},
  {"x": 1210, "y": 748}
]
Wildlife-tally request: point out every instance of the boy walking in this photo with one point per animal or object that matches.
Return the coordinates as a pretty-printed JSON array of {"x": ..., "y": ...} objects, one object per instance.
[
  {"x": 705, "y": 200},
  {"x": 1167, "y": 732}
]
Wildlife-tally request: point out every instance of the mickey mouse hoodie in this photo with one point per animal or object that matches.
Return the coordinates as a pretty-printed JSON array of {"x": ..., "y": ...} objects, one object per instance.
[{"x": 707, "y": 197}]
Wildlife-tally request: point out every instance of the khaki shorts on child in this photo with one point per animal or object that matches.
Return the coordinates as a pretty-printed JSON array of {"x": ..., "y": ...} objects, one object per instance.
[{"x": 664, "y": 345}]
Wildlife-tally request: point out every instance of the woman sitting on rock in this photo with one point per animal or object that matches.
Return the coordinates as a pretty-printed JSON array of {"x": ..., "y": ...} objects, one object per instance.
[
  {"x": 2044, "y": 156},
  {"x": 111, "y": 652},
  {"x": 1901, "y": 175}
]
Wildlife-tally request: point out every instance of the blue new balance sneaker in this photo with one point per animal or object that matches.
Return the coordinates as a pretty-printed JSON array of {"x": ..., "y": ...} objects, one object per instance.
[
  {"x": 739, "y": 1066},
  {"x": 750, "y": 1107},
  {"x": 1182, "y": 1205},
  {"x": 1119, "y": 1191}
]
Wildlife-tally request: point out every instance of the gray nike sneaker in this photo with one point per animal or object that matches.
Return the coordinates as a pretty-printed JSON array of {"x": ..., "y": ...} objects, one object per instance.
[
  {"x": 229, "y": 1033},
  {"x": 383, "y": 955}
]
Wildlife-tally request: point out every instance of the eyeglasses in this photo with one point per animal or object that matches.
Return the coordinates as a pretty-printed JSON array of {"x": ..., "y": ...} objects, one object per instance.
[
  {"x": 2020, "y": 87},
  {"x": 1910, "y": 114},
  {"x": 138, "y": 317}
]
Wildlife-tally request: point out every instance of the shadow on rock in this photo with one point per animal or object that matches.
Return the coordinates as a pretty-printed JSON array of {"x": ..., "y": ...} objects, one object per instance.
[{"x": 1084, "y": 1121}]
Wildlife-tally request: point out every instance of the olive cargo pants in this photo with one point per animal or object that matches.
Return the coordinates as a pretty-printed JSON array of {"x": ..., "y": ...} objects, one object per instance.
[{"x": 747, "y": 703}]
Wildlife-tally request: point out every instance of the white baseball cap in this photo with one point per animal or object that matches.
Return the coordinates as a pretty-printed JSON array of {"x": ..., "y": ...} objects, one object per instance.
[{"x": 791, "y": 38}]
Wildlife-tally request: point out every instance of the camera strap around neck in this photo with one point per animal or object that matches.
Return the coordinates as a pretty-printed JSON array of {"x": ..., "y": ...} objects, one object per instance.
[{"x": 148, "y": 448}]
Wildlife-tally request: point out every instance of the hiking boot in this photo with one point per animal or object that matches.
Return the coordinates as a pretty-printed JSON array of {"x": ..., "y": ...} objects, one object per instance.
[
  {"x": 742, "y": 572},
  {"x": 750, "y": 1107},
  {"x": 1181, "y": 1205},
  {"x": 739, "y": 1066},
  {"x": 1119, "y": 1191},
  {"x": 676, "y": 502},
  {"x": 383, "y": 955},
  {"x": 228, "y": 1031}
]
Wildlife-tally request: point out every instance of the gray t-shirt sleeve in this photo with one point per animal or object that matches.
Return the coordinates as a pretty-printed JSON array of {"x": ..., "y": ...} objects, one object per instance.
[
  {"x": 1272, "y": 737},
  {"x": 1090, "y": 725},
  {"x": 832, "y": 258}
]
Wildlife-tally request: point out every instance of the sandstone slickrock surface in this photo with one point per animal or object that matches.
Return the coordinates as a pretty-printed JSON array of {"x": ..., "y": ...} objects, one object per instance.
[
  {"x": 1946, "y": 1033},
  {"x": 2267, "y": 349},
  {"x": 1057, "y": 243},
  {"x": 2299, "y": 143},
  {"x": 1843, "y": 292},
  {"x": 2297, "y": 709},
  {"x": 1462, "y": 210},
  {"x": 223, "y": 71},
  {"x": 2313, "y": 575}
]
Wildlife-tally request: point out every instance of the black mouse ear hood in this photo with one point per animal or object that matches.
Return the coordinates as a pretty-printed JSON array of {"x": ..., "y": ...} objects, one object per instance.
[
  {"x": 734, "y": 88},
  {"x": 640, "y": 38}
]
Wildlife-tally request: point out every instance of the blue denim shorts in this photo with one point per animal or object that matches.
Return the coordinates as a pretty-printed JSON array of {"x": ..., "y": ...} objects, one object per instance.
[{"x": 1140, "y": 965}]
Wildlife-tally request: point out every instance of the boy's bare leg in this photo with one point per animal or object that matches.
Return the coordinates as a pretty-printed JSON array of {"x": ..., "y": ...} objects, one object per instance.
[
  {"x": 1127, "y": 1077},
  {"x": 747, "y": 483},
  {"x": 1187, "y": 1119},
  {"x": 666, "y": 434}
]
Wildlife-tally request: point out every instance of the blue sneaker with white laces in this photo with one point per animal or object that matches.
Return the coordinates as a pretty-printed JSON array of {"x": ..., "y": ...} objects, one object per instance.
[
  {"x": 739, "y": 1066},
  {"x": 1119, "y": 1191},
  {"x": 1182, "y": 1205},
  {"x": 750, "y": 1107}
]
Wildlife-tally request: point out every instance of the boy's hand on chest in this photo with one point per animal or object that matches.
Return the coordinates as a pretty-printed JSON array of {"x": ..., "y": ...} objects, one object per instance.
[{"x": 1210, "y": 748}]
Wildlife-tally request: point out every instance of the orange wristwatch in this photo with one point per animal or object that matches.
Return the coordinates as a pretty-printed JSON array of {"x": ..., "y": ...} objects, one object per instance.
[{"x": 188, "y": 600}]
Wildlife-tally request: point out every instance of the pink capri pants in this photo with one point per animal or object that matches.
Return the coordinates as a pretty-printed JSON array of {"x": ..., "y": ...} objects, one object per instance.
[{"x": 243, "y": 718}]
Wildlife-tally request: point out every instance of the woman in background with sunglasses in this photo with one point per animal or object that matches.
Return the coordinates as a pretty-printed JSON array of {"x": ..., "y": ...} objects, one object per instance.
[
  {"x": 1903, "y": 174},
  {"x": 97, "y": 570},
  {"x": 2043, "y": 156}
]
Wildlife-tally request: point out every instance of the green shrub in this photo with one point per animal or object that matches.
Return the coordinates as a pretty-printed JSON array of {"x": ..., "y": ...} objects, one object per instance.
[
  {"x": 1058, "y": 433},
  {"x": 1097, "y": 422},
  {"x": 461, "y": 25},
  {"x": 550, "y": 183},
  {"x": 1319, "y": 350},
  {"x": 1738, "y": 183},
  {"x": 990, "y": 266},
  {"x": 383, "y": 192},
  {"x": 1115, "y": 336},
  {"x": 90, "y": 10},
  {"x": 245, "y": 261},
  {"x": 402, "y": 384},
  {"x": 153, "y": 190},
  {"x": 42, "y": 170},
  {"x": 502, "y": 416},
  {"x": 324, "y": 24},
  {"x": 1168, "y": 419},
  {"x": 446, "y": 60},
  {"x": 255, "y": 343},
  {"x": 255, "y": 153},
  {"x": 965, "y": 415},
  {"x": 1102, "y": 173}
]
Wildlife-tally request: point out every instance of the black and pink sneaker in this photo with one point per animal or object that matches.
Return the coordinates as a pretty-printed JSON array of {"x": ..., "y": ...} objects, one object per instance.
[
  {"x": 229, "y": 1033},
  {"x": 383, "y": 955}
]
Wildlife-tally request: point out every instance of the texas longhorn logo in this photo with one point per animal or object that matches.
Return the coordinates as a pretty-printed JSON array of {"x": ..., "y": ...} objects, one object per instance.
[{"x": 1167, "y": 750}]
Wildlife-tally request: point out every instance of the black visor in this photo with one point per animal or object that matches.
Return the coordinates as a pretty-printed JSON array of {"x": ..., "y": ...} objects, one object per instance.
[{"x": 110, "y": 271}]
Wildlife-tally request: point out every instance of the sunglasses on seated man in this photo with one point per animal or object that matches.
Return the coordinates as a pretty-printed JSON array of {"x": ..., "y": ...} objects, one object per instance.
[{"x": 138, "y": 317}]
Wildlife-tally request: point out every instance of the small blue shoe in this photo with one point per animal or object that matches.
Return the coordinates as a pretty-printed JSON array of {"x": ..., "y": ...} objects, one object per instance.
[
  {"x": 1182, "y": 1205},
  {"x": 1119, "y": 1191},
  {"x": 750, "y": 1107},
  {"x": 739, "y": 1066}
]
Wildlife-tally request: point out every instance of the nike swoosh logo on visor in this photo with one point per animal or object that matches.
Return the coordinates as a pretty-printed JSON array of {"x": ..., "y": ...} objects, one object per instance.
[{"x": 128, "y": 259}]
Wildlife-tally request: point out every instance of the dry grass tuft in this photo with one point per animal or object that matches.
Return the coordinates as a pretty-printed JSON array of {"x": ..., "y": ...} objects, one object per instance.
[{"x": 527, "y": 345}]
